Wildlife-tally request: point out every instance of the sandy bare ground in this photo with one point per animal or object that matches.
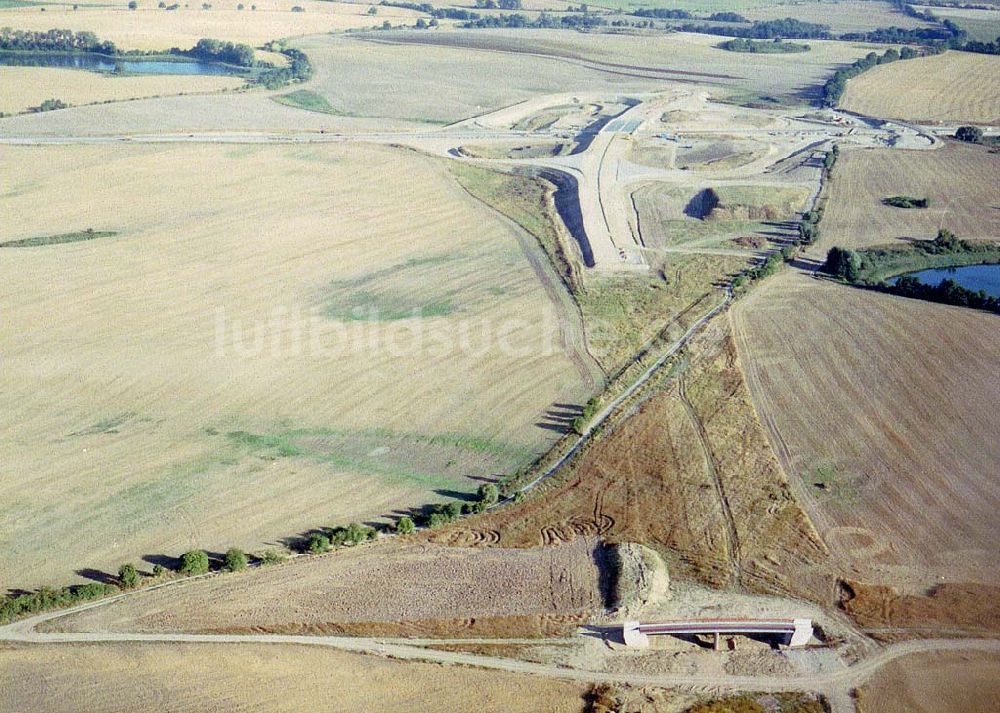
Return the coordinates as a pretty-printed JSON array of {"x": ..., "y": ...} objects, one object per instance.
[
  {"x": 248, "y": 299},
  {"x": 959, "y": 180},
  {"x": 952, "y": 87},
  {"x": 883, "y": 410},
  {"x": 224, "y": 677},
  {"x": 386, "y": 582},
  {"x": 953, "y": 682},
  {"x": 25, "y": 87}
]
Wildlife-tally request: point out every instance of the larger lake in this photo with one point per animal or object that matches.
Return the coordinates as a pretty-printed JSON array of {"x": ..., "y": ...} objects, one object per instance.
[
  {"x": 971, "y": 277},
  {"x": 105, "y": 63}
]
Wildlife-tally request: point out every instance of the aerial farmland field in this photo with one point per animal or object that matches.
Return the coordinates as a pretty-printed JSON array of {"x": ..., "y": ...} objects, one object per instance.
[
  {"x": 938, "y": 89},
  {"x": 515, "y": 355},
  {"x": 957, "y": 179},
  {"x": 251, "y": 346}
]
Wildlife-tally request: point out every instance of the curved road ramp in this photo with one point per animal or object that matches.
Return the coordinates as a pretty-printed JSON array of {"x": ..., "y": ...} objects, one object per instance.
[{"x": 797, "y": 632}]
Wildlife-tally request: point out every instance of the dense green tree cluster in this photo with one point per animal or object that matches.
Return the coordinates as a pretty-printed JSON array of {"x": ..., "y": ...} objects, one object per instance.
[
  {"x": 194, "y": 562},
  {"x": 727, "y": 17},
  {"x": 48, "y": 598},
  {"x": 742, "y": 44},
  {"x": 299, "y": 69},
  {"x": 786, "y": 29},
  {"x": 219, "y": 51},
  {"x": 235, "y": 560},
  {"x": 128, "y": 576},
  {"x": 835, "y": 86},
  {"x": 54, "y": 41},
  {"x": 906, "y": 202},
  {"x": 660, "y": 13},
  {"x": 971, "y": 134}
]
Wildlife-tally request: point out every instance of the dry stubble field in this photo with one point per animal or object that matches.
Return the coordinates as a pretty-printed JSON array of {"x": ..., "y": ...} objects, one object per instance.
[
  {"x": 683, "y": 57},
  {"x": 885, "y": 410},
  {"x": 687, "y": 474},
  {"x": 952, "y": 682},
  {"x": 841, "y": 16},
  {"x": 152, "y": 28},
  {"x": 25, "y": 87},
  {"x": 140, "y": 414},
  {"x": 952, "y": 87},
  {"x": 959, "y": 179},
  {"x": 51, "y": 678},
  {"x": 388, "y": 588}
]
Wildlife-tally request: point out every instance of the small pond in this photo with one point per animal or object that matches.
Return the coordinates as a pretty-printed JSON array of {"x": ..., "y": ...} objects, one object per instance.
[
  {"x": 971, "y": 277},
  {"x": 106, "y": 63}
]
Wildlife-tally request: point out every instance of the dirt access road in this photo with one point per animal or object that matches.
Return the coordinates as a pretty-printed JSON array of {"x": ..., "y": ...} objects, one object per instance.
[{"x": 836, "y": 685}]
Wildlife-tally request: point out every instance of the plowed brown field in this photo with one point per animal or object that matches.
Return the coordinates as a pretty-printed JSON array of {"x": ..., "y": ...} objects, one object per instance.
[
  {"x": 884, "y": 410},
  {"x": 691, "y": 475}
]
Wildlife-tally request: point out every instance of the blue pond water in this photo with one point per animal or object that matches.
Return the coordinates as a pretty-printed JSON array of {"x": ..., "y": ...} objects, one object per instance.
[
  {"x": 971, "y": 277},
  {"x": 104, "y": 63}
]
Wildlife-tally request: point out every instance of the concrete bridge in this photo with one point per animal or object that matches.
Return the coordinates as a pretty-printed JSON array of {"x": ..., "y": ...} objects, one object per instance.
[{"x": 797, "y": 632}]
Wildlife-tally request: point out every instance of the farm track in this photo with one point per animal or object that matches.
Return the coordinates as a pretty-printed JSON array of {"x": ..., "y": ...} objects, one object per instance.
[
  {"x": 608, "y": 410},
  {"x": 834, "y": 683},
  {"x": 732, "y": 534}
]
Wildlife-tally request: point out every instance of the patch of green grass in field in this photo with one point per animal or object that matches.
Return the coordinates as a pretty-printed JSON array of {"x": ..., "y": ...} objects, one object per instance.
[
  {"x": 829, "y": 482},
  {"x": 380, "y": 295},
  {"x": 88, "y": 234},
  {"x": 406, "y": 457},
  {"x": 107, "y": 425},
  {"x": 307, "y": 100},
  {"x": 374, "y": 307}
]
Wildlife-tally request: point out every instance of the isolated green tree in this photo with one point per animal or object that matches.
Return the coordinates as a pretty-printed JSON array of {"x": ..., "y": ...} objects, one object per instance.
[
  {"x": 318, "y": 543},
  {"x": 405, "y": 526},
  {"x": 128, "y": 576},
  {"x": 972, "y": 134},
  {"x": 132, "y": 5},
  {"x": 488, "y": 494},
  {"x": 194, "y": 562},
  {"x": 843, "y": 263},
  {"x": 235, "y": 560}
]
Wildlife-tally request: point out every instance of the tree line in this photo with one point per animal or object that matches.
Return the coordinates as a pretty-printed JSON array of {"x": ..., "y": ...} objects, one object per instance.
[
  {"x": 865, "y": 268},
  {"x": 741, "y": 44},
  {"x": 835, "y": 86},
  {"x": 197, "y": 562}
]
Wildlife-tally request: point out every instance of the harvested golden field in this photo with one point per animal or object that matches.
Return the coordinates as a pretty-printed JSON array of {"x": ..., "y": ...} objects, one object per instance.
[
  {"x": 883, "y": 410},
  {"x": 945, "y": 682},
  {"x": 675, "y": 57},
  {"x": 688, "y": 474},
  {"x": 952, "y": 87},
  {"x": 49, "y": 678},
  {"x": 419, "y": 588},
  {"x": 151, "y": 28},
  {"x": 843, "y": 16},
  {"x": 24, "y": 87},
  {"x": 959, "y": 180},
  {"x": 273, "y": 339}
]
